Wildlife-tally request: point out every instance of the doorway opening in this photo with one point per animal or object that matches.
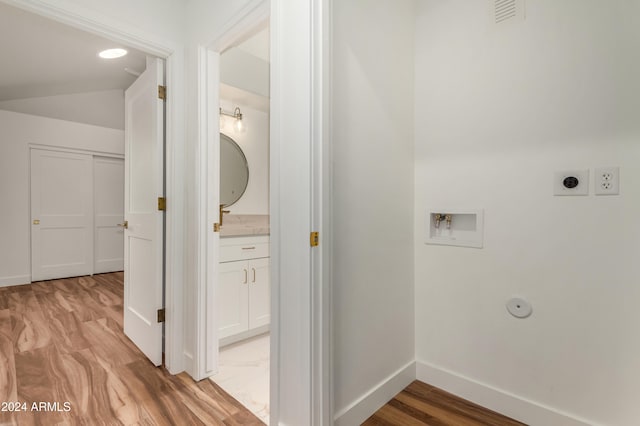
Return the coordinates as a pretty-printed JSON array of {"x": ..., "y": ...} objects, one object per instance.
[
  {"x": 67, "y": 154},
  {"x": 243, "y": 290},
  {"x": 300, "y": 327}
]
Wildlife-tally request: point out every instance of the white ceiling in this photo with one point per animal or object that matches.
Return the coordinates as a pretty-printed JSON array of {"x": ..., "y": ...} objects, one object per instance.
[
  {"x": 257, "y": 45},
  {"x": 40, "y": 57},
  {"x": 243, "y": 97}
]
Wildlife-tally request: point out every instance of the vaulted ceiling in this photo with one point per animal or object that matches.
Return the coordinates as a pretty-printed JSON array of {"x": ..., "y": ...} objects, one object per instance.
[{"x": 41, "y": 57}]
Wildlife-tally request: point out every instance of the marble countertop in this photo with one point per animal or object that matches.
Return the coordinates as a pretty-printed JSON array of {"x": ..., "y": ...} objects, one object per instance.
[{"x": 237, "y": 225}]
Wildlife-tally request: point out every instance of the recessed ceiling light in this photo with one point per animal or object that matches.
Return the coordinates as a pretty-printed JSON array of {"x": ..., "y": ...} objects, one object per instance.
[{"x": 112, "y": 53}]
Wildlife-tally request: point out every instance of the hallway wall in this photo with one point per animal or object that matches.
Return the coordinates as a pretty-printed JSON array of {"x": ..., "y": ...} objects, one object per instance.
[
  {"x": 372, "y": 261},
  {"x": 498, "y": 111}
]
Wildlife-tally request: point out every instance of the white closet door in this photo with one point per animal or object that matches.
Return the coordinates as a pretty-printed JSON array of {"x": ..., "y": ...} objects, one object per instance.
[
  {"x": 109, "y": 214},
  {"x": 61, "y": 215}
]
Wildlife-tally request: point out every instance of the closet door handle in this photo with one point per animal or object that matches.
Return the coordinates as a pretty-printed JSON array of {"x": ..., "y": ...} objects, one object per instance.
[
  {"x": 254, "y": 275},
  {"x": 245, "y": 276}
]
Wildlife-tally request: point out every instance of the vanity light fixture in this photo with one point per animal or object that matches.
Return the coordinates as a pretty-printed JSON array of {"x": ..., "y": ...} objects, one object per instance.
[
  {"x": 238, "y": 126},
  {"x": 112, "y": 53}
]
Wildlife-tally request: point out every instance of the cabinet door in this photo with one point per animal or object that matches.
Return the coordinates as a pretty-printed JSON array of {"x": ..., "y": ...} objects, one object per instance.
[
  {"x": 233, "y": 298},
  {"x": 259, "y": 292}
]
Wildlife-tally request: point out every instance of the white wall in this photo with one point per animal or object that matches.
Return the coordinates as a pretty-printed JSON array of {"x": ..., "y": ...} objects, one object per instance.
[
  {"x": 18, "y": 132},
  {"x": 103, "y": 108},
  {"x": 255, "y": 145},
  {"x": 245, "y": 71},
  {"x": 258, "y": 45},
  {"x": 163, "y": 19},
  {"x": 373, "y": 284},
  {"x": 498, "y": 110}
]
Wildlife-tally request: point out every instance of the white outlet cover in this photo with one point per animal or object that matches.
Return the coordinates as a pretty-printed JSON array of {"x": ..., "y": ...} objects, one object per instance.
[
  {"x": 606, "y": 181},
  {"x": 583, "y": 182},
  {"x": 519, "y": 307}
]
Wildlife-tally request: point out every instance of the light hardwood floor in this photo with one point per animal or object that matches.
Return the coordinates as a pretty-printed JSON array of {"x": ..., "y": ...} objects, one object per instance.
[
  {"x": 420, "y": 404},
  {"x": 61, "y": 341}
]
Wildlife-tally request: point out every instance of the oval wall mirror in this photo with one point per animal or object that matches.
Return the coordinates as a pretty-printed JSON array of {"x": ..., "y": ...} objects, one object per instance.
[{"x": 234, "y": 171}]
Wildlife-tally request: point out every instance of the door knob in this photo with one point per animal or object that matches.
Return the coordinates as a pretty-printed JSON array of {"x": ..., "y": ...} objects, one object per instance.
[
  {"x": 124, "y": 224},
  {"x": 36, "y": 222}
]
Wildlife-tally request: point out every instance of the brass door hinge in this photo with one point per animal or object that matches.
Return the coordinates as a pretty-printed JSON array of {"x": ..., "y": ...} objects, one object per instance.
[
  {"x": 162, "y": 92},
  {"x": 216, "y": 227},
  {"x": 315, "y": 238},
  {"x": 161, "y": 313},
  {"x": 162, "y": 203}
]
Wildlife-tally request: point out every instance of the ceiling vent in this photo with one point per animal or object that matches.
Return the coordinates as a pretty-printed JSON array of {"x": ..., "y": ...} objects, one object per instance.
[{"x": 507, "y": 10}]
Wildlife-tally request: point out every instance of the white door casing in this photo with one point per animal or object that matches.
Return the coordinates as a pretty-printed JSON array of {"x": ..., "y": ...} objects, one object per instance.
[
  {"x": 144, "y": 183},
  {"x": 207, "y": 342},
  {"x": 251, "y": 16},
  {"x": 61, "y": 214},
  {"x": 108, "y": 184}
]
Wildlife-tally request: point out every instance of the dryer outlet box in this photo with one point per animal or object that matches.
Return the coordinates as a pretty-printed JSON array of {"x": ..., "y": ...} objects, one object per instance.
[{"x": 571, "y": 182}]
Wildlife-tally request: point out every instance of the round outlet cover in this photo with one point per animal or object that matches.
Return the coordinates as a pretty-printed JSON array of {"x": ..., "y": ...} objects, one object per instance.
[
  {"x": 570, "y": 182},
  {"x": 519, "y": 308}
]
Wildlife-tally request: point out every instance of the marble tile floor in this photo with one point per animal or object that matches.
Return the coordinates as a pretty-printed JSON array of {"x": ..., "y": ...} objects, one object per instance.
[
  {"x": 62, "y": 344},
  {"x": 244, "y": 374}
]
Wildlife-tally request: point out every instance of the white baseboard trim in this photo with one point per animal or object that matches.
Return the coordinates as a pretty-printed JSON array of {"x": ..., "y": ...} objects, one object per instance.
[
  {"x": 361, "y": 409},
  {"x": 189, "y": 363},
  {"x": 17, "y": 280},
  {"x": 226, "y": 341},
  {"x": 521, "y": 409}
]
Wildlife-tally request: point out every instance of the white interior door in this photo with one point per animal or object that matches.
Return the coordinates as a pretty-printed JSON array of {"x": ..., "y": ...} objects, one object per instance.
[
  {"x": 61, "y": 215},
  {"x": 144, "y": 183},
  {"x": 108, "y": 204}
]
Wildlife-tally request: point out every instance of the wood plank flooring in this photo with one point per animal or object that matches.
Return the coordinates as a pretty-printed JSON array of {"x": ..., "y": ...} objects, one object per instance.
[
  {"x": 422, "y": 404},
  {"x": 61, "y": 341}
]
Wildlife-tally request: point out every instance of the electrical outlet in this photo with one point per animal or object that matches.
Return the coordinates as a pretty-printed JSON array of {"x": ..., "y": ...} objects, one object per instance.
[
  {"x": 607, "y": 181},
  {"x": 571, "y": 182}
]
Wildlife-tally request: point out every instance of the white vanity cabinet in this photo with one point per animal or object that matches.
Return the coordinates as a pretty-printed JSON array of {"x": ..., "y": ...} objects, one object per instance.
[{"x": 243, "y": 288}]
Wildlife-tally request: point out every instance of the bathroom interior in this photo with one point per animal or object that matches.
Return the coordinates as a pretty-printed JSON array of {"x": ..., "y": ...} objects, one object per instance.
[{"x": 243, "y": 290}]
